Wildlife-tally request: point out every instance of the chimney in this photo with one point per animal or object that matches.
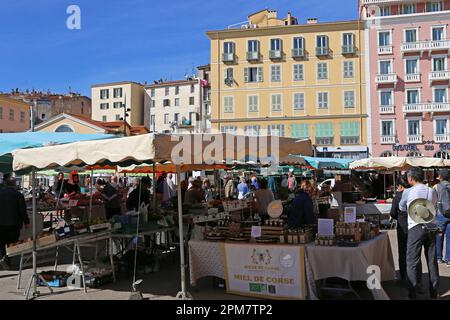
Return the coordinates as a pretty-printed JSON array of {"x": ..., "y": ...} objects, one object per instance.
[{"x": 311, "y": 21}]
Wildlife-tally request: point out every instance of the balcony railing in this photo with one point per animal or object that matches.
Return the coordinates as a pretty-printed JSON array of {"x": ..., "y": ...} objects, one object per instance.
[
  {"x": 386, "y": 78},
  {"x": 369, "y": 2},
  {"x": 252, "y": 55},
  {"x": 427, "y": 107},
  {"x": 425, "y": 45},
  {"x": 439, "y": 75},
  {"x": 228, "y": 57},
  {"x": 275, "y": 54},
  {"x": 412, "y": 77},
  {"x": 385, "y": 50},
  {"x": 349, "y": 49},
  {"x": 387, "y": 139},
  {"x": 414, "y": 139},
  {"x": 298, "y": 53},
  {"x": 440, "y": 138},
  {"x": 386, "y": 109},
  {"x": 322, "y": 51}
]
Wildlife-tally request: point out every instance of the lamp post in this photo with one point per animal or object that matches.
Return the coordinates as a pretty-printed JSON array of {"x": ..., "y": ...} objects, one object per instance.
[{"x": 125, "y": 115}]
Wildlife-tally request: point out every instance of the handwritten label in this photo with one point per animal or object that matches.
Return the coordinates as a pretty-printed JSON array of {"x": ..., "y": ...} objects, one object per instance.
[
  {"x": 256, "y": 231},
  {"x": 325, "y": 227},
  {"x": 350, "y": 214}
]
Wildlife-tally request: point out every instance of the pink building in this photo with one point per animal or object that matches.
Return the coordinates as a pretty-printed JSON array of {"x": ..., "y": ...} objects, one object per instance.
[{"x": 409, "y": 46}]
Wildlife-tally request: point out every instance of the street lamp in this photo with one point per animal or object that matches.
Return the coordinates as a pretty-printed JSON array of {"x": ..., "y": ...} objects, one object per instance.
[{"x": 124, "y": 118}]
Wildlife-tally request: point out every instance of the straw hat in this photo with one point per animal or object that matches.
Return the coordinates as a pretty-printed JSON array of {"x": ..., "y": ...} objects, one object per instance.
[
  {"x": 275, "y": 209},
  {"x": 422, "y": 211}
]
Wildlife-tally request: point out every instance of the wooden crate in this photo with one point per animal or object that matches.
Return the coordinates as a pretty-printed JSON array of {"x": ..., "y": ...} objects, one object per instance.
[
  {"x": 19, "y": 247},
  {"x": 46, "y": 240}
]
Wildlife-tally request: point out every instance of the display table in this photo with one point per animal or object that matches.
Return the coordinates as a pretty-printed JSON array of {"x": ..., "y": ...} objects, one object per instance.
[
  {"x": 372, "y": 211},
  {"x": 206, "y": 258},
  {"x": 350, "y": 263}
]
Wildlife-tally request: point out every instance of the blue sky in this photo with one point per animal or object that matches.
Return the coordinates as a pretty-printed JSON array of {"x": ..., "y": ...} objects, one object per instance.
[{"x": 137, "y": 40}]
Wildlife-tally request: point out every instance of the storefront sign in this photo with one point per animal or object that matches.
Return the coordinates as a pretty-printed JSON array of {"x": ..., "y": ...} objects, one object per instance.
[{"x": 265, "y": 271}]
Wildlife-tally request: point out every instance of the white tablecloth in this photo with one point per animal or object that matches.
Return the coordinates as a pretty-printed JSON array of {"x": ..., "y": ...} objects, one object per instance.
[
  {"x": 350, "y": 263},
  {"x": 205, "y": 259}
]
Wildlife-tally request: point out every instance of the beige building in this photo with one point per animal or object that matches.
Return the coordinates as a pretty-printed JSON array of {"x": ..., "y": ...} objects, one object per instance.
[
  {"x": 108, "y": 100},
  {"x": 14, "y": 115},
  {"x": 275, "y": 76}
]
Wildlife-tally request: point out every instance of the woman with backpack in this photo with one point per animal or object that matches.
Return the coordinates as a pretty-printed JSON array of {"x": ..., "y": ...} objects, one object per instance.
[{"x": 443, "y": 216}]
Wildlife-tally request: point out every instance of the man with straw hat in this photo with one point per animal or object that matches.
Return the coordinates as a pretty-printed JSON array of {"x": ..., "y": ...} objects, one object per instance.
[{"x": 421, "y": 207}]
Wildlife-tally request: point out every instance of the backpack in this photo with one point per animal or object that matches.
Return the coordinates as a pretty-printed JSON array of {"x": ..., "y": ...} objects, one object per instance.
[{"x": 443, "y": 190}]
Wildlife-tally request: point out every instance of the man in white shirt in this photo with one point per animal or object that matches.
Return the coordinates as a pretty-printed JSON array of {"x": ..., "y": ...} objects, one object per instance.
[
  {"x": 171, "y": 185},
  {"x": 420, "y": 235}
]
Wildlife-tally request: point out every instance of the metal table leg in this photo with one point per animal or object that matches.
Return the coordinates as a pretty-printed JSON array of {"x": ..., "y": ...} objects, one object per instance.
[
  {"x": 111, "y": 258},
  {"x": 77, "y": 246},
  {"x": 56, "y": 258},
  {"x": 19, "y": 278}
]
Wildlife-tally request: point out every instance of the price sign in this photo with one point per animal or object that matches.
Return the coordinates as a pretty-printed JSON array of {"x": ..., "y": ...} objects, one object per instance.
[{"x": 256, "y": 231}]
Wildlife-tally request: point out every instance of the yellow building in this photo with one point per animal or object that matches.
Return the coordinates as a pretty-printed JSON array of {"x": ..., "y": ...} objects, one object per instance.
[{"x": 275, "y": 76}]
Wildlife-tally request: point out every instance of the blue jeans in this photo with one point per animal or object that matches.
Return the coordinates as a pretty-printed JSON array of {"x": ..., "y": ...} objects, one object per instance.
[{"x": 443, "y": 224}]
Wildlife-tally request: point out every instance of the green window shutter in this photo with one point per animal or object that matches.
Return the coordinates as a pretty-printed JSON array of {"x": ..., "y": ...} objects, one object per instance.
[
  {"x": 246, "y": 74},
  {"x": 300, "y": 131},
  {"x": 324, "y": 130},
  {"x": 349, "y": 129},
  {"x": 260, "y": 74}
]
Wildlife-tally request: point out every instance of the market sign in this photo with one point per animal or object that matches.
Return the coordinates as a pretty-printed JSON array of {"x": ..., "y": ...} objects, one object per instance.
[{"x": 265, "y": 271}]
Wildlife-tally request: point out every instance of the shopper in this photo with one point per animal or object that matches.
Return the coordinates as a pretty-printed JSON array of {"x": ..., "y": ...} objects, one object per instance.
[
  {"x": 133, "y": 199},
  {"x": 443, "y": 217},
  {"x": 292, "y": 182},
  {"x": 110, "y": 194},
  {"x": 421, "y": 233},
  {"x": 207, "y": 190},
  {"x": 402, "y": 226},
  {"x": 59, "y": 186},
  {"x": 255, "y": 183},
  {"x": 13, "y": 216},
  {"x": 263, "y": 197},
  {"x": 302, "y": 211},
  {"x": 171, "y": 185},
  {"x": 242, "y": 188},
  {"x": 229, "y": 187},
  {"x": 195, "y": 194},
  {"x": 272, "y": 185}
]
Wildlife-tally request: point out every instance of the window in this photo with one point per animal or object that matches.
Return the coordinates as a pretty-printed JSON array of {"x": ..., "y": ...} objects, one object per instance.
[
  {"x": 414, "y": 128},
  {"x": 322, "y": 70},
  {"x": 348, "y": 69},
  {"x": 440, "y": 95},
  {"x": 411, "y": 35},
  {"x": 300, "y": 131},
  {"x": 104, "y": 94},
  {"x": 412, "y": 66},
  {"x": 252, "y": 130},
  {"x": 275, "y": 73},
  {"x": 153, "y": 104},
  {"x": 192, "y": 88},
  {"x": 118, "y": 117},
  {"x": 434, "y": 6},
  {"x": 322, "y": 98},
  {"x": 191, "y": 101},
  {"x": 177, "y": 90},
  {"x": 254, "y": 74},
  {"x": 438, "y": 33},
  {"x": 322, "y": 41},
  {"x": 276, "y": 102},
  {"x": 349, "y": 99},
  {"x": 229, "y": 129},
  {"x": 438, "y": 64},
  {"x": 384, "y": 38},
  {"x": 412, "y": 96},
  {"x": 117, "y": 105},
  {"x": 176, "y": 117},
  {"x": 299, "y": 101},
  {"x": 441, "y": 126},
  {"x": 166, "y": 102},
  {"x": 104, "y": 118},
  {"x": 348, "y": 40},
  {"x": 386, "y": 98},
  {"x": 275, "y": 44},
  {"x": 324, "y": 133},
  {"x": 228, "y": 47},
  {"x": 166, "y": 118},
  {"x": 276, "y": 130},
  {"x": 64, "y": 128},
  {"x": 413, "y": 154},
  {"x": 253, "y": 46},
  {"x": 22, "y": 116},
  {"x": 298, "y": 72},
  {"x": 387, "y": 128},
  {"x": 409, "y": 8},
  {"x": 43, "y": 116},
  {"x": 298, "y": 43},
  {"x": 166, "y": 91},
  {"x": 152, "y": 121},
  {"x": 349, "y": 132},
  {"x": 152, "y": 92},
  {"x": 228, "y": 104},
  {"x": 1, "y": 112},
  {"x": 229, "y": 78},
  {"x": 117, "y": 92},
  {"x": 104, "y": 106},
  {"x": 385, "y": 11},
  {"x": 177, "y": 102},
  {"x": 253, "y": 103},
  {"x": 385, "y": 67}
]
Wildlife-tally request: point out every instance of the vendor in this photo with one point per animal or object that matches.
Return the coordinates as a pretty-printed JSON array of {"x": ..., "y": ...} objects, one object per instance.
[
  {"x": 195, "y": 194},
  {"x": 263, "y": 197},
  {"x": 110, "y": 194},
  {"x": 72, "y": 184},
  {"x": 133, "y": 198},
  {"x": 59, "y": 186},
  {"x": 302, "y": 211}
]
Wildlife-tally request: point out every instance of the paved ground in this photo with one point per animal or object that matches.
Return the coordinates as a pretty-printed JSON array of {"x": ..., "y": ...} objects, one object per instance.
[{"x": 165, "y": 284}]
